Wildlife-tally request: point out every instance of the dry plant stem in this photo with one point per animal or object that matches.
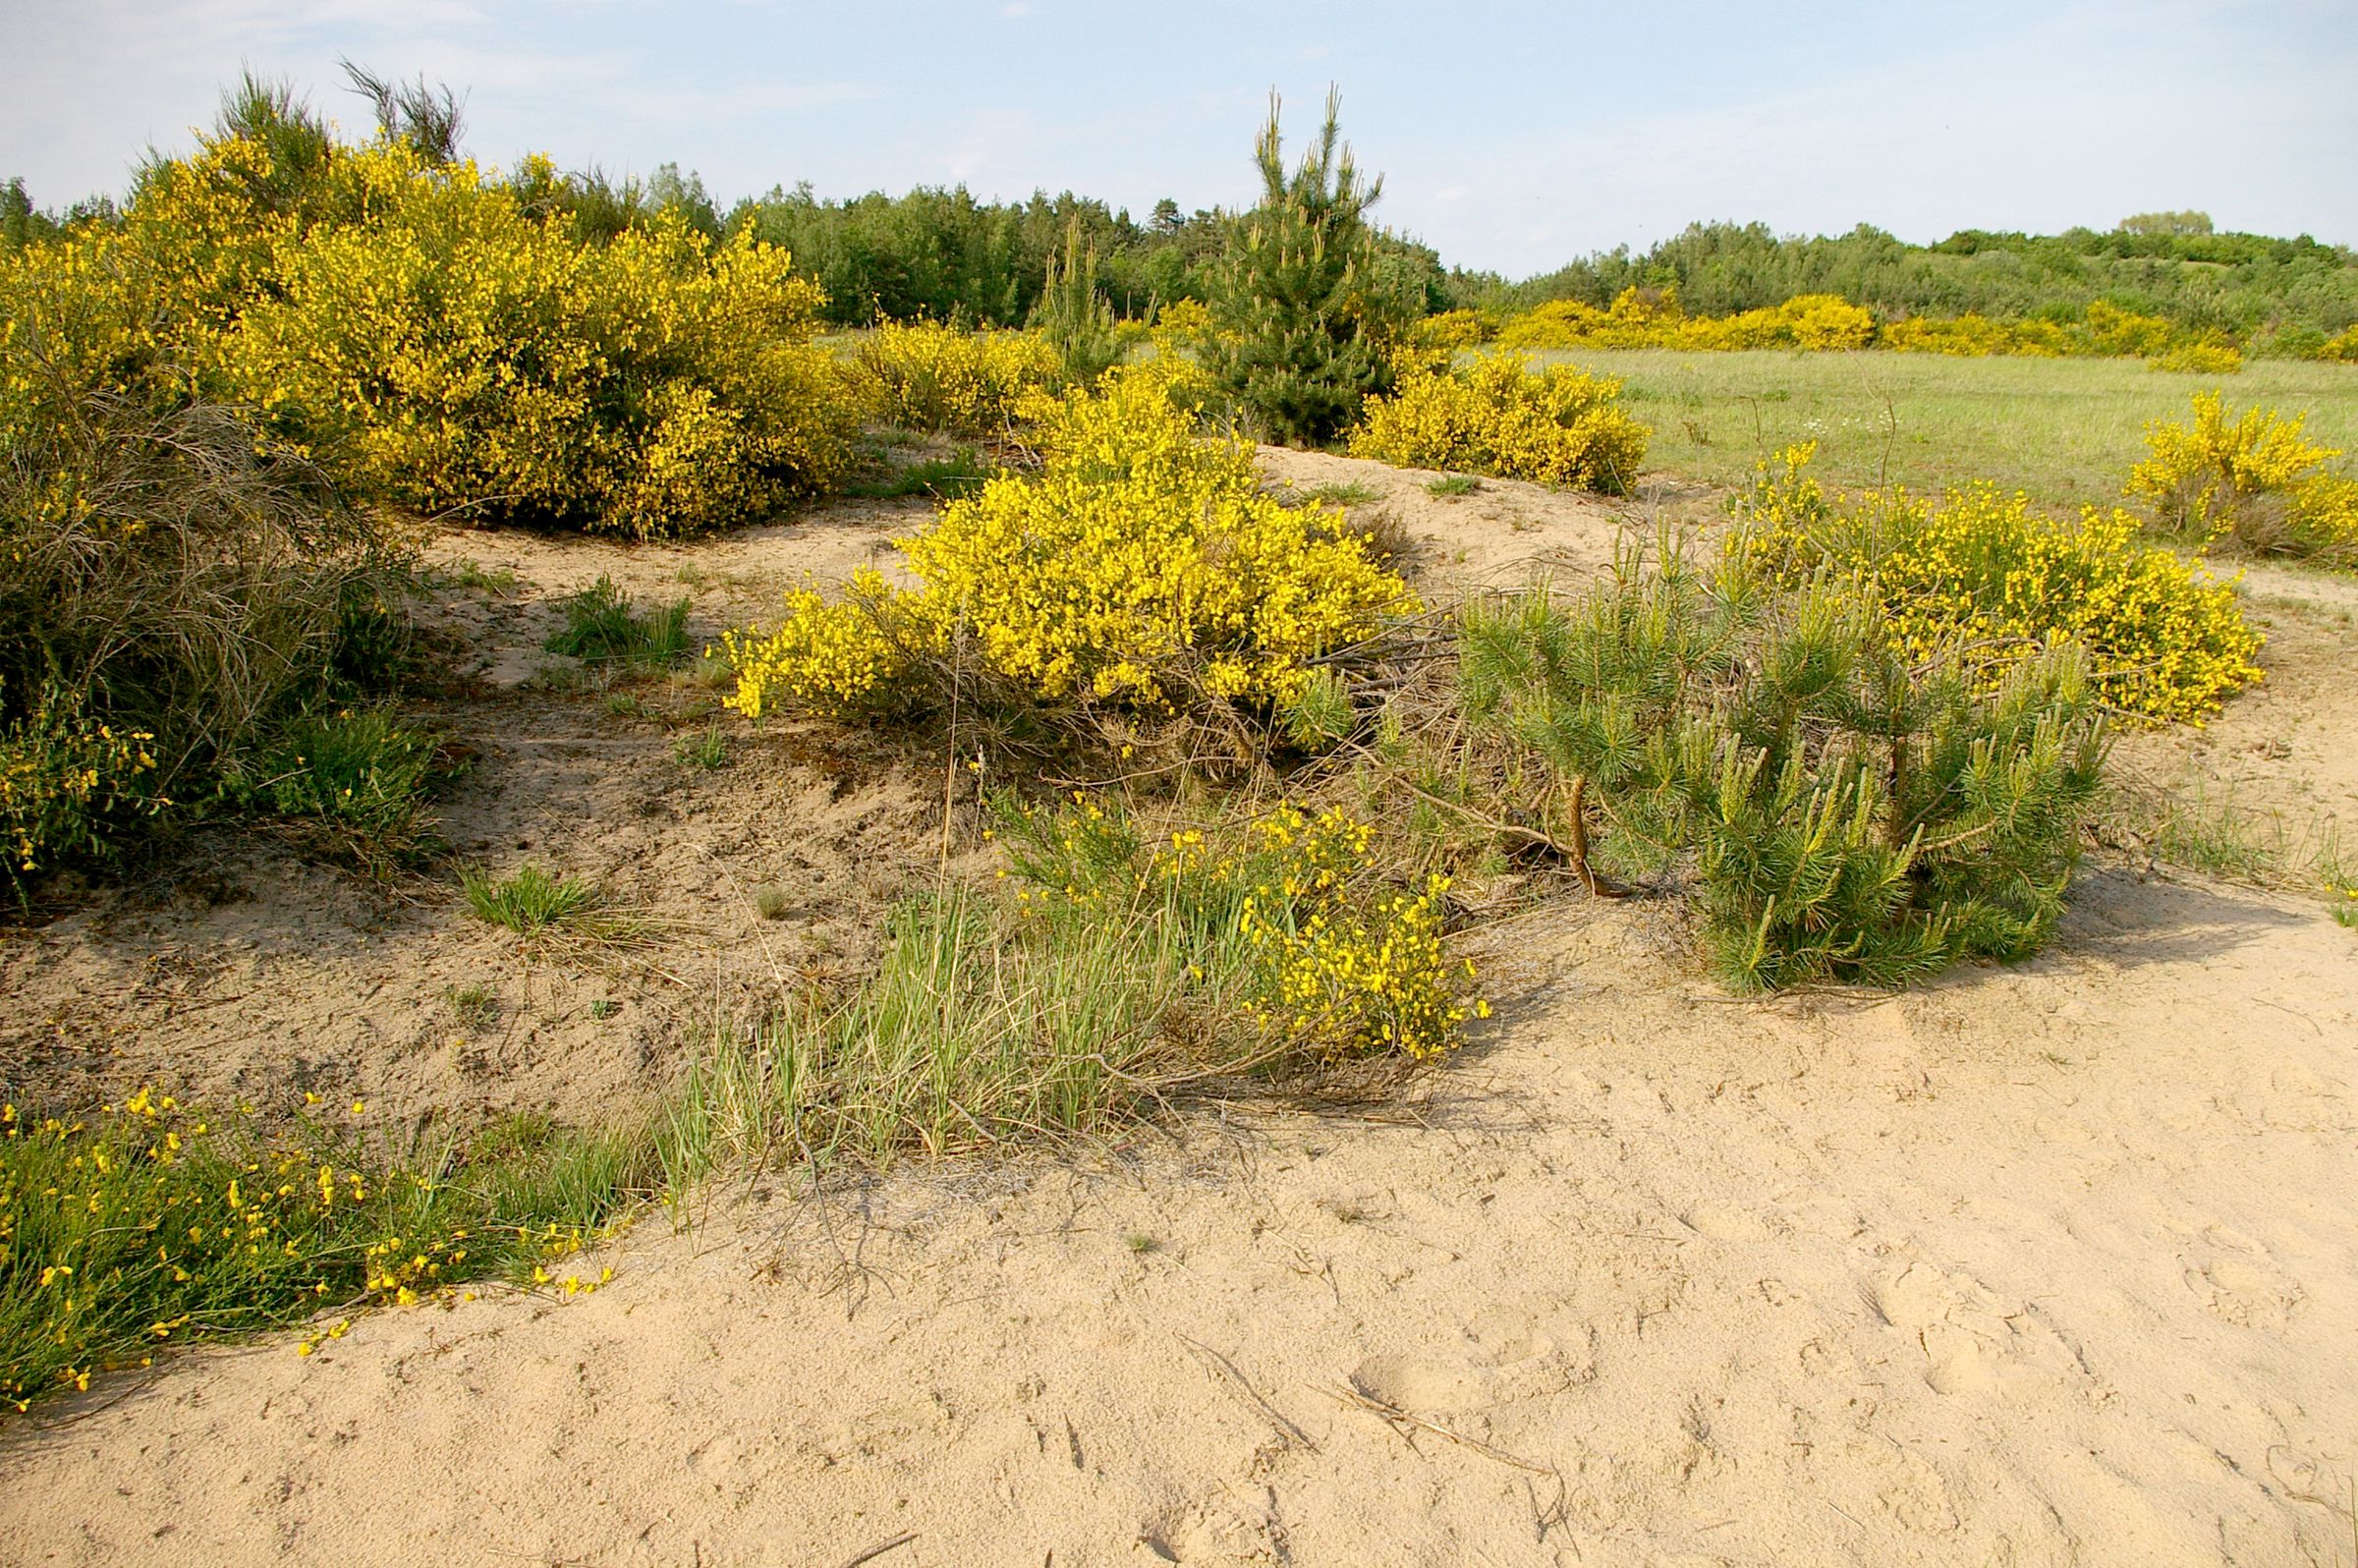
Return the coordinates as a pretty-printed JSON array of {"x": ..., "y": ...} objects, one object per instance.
[
  {"x": 1400, "y": 1417},
  {"x": 879, "y": 1549},
  {"x": 1285, "y": 1427},
  {"x": 1578, "y": 850}
]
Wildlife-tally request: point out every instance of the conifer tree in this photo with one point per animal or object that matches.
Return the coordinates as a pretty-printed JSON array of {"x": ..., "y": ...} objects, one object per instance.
[
  {"x": 1849, "y": 812},
  {"x": 1303, "y": 318},
  {"x": 1073, "y": 314}
]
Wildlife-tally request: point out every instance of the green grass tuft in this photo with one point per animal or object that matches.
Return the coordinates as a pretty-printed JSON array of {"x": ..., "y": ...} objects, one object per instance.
[
  {"x": 961, "y": 472},
  {"x": 602, "y": 628},
  {"x": 530, "y": 901}
]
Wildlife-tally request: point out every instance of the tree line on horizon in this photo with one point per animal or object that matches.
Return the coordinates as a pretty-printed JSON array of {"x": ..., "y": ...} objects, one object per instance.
[{"x": 943, "y": 253}]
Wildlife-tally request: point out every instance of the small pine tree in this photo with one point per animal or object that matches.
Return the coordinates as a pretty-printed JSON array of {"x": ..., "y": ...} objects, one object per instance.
[
  {"x": 1849, "y": 814},
  {"x": 1073, "y": 314},
  {"x": 1304, "y": 319}
]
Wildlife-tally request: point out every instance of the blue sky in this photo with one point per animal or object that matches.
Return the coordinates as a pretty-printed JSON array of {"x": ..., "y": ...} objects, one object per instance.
[{"x": 1512, "y": 137}]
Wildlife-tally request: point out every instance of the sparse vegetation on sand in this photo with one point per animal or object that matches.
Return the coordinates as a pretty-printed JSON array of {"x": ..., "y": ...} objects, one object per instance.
[{"x": 1148, "y": 768}]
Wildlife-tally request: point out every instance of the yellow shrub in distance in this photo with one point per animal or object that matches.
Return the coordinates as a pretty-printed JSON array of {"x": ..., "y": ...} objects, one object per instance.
[
  {"x": 922, "y": 375},
  {"x": 2164, "y": 638},
  {"x": 1499, "y": 416}
]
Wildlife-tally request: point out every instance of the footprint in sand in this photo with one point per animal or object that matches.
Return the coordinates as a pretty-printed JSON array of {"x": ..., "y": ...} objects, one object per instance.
[
  {"x": 1973, "y": 1341},
  {"x": 2233, "y": 1279},
  {"x": 1428, "y": 1385}
]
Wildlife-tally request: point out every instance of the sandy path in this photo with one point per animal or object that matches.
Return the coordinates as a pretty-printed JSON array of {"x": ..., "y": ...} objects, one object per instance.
[{"x": 2045, "y": 1265}]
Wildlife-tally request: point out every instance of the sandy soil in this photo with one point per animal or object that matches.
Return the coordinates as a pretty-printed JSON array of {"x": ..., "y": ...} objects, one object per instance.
[{"x": 2048, "y": 1265}]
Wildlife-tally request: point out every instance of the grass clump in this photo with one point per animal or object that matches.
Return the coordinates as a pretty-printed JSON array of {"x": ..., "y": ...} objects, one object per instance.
[
  {"x": 169, "y": 601},
  {"x": 1123, "y": 972},
  {"x": 602, "y": 626},
  {"x": 1449, "y": 486},
  {"x": 150, "y": 1225},
  {"x": 530, "y": 901},
  {"x": 707, "y": 749},
  {"x": 362, "y": 776},
  {"x": 961, "y": 472},
  {"x": 1499, "y": 414}
]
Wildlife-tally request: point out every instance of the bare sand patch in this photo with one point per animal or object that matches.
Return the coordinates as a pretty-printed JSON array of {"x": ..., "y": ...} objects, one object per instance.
[{"x": 2037, "y": 1265}]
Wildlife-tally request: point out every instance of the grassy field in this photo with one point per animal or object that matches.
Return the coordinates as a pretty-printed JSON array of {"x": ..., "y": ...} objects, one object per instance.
[{"x": 2065, "y": 430}]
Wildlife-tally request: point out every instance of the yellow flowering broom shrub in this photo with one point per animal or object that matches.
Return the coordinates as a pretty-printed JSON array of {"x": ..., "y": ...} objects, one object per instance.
[
  {"x": 922, "y": 375},
  {"x": 1141, "y": 565},
  {"x": 64, "y": 780},
  {"x": 1829, "y": 323},
  {"x": 1653, "y": 319},
  {"x": 2253, "y": 477},
  {"x": 1499, "y": 416},
  {"x": 150, "y": 1224},
  {"x": 455, "y": 354},
  {"x": 1289, "y": 921},
  {"x": 2163, "y": 638}
]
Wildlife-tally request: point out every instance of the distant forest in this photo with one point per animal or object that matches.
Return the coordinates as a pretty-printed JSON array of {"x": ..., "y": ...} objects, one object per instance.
[{"x": 943, "y": 253}]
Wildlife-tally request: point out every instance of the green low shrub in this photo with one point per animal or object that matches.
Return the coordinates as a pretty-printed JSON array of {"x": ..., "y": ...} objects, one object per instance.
[{"x": 1849, "y": 811}]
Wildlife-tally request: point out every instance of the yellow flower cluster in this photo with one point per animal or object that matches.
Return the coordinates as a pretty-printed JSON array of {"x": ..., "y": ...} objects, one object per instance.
[
  {"x": 60, "y": 778},
  {"x": 2165, "y": 640},
  {"x": 1653, "y": 319},
  {"x": 149, "y": 1223},
  {"x": 1498, "y": 416},
  {"x": 1349, "y": 973},
  {"x": 2253, "y": 475},
  {"x": 1829, "y": 323},
  {"x": 922, "y": 375},
  {"x": 833, "y": 660},
  {"x": 1451, "y": 331},
  {"x": 1141, "y": 565}
]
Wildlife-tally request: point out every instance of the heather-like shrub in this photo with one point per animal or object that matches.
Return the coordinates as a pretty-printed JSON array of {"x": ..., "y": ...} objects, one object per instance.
[
  {"x": 1498, "y": 416},
  {"x": 2163, "y": 639},
  {"x": 1143, "y": 566},
  {"x": 926, "y": 376},
  {"x": 2253, "y": 477},
  {"x": 1849, "y": 811}
]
